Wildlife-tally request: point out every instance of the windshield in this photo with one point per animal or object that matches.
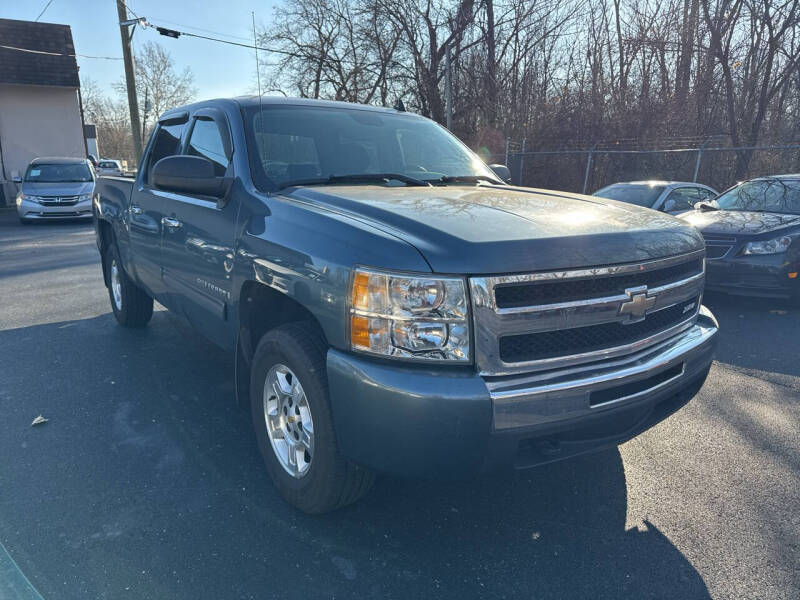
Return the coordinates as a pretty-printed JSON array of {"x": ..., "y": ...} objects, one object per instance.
[
  {"x": 763, "y": 195},
  {"x": 62, "y": 173},
  {"x": 301, "y": 143},
  {"x": 638, "y": 194}
]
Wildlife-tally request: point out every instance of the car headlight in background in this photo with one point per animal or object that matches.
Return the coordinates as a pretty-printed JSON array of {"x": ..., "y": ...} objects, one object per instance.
[
  {"x": 26, "y": 198},
  {"x": 775, "y": 246},
  {"x": 409, "y": 316},
  {"x": 84, "y": 197}
]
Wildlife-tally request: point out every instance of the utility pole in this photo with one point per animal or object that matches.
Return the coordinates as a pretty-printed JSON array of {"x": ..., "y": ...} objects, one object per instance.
[
  {"x": 146, "y": 110},
  {"x": 130, "y": 77},
  {"x": 448, "y": 87}
]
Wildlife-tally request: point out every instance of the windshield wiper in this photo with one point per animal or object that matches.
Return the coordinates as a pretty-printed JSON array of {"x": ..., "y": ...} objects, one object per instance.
[
  {"x": 707, "y": 206},
  {"x": 465, "y": 179},
  {"x": 356, "y": 178}
]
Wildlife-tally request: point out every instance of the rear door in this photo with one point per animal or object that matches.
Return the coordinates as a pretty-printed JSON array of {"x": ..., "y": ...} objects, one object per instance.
[
  {"x": 147, "y": 206},
  {"x": 198, "y": 240}
]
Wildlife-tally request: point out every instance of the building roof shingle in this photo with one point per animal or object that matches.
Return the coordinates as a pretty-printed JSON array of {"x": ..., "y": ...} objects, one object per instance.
[{"x": 52, "y": 63}]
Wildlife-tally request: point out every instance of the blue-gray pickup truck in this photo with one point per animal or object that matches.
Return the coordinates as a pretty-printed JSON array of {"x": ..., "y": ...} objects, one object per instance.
[{"x": 394, "y": 306}]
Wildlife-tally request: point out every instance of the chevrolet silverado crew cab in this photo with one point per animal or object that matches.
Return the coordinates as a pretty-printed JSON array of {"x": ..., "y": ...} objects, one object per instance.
[{"x": 392, "y": 304}]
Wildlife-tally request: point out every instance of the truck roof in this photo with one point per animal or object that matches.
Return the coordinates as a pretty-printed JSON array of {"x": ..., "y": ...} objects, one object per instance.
[{"x": 249, "y": 101}]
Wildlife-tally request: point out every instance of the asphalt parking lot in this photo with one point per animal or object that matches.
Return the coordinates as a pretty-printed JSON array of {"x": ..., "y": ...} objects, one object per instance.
[{"x": 146, "y": 481}]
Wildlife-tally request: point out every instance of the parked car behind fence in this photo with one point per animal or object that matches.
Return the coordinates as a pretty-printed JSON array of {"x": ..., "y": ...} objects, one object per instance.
[{"x": 668, "y": 196}]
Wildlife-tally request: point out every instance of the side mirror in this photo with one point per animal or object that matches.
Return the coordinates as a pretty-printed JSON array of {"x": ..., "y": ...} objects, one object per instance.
[
  {"x": 189, "y": 175},
  {"x": 704, "y": 205},
  {"x": 16, "y": 179},
  {"x": 670, "y": 205},
  {"x": 502, "y": 172}
]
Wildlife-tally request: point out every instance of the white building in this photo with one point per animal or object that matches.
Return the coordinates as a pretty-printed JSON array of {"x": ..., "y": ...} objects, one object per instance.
[{"x": 40, "y": 107}]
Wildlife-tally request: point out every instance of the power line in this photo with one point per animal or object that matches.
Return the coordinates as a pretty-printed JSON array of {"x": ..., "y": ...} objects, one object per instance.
[
  {"x": 32, "y": 51},
  {"x": 46, "y": 6},
  {"x": 228, "y": 35},
  {"x": 172, "y": 32}
]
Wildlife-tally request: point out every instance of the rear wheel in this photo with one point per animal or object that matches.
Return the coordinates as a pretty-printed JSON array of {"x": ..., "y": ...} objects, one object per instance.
[
  {"x": 293, "y": 424},
  {"x": 131, "y": 305}
]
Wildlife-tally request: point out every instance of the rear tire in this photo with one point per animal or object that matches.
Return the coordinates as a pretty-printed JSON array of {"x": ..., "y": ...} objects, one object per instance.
[
  {"x": 131, "y": 305},
  {"x": 290, "y": 407}
]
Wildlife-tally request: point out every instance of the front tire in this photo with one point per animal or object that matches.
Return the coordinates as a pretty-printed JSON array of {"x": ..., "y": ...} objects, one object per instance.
[
  {"x": 293, "y": 424},
  {"x": 131, "y": 305}
]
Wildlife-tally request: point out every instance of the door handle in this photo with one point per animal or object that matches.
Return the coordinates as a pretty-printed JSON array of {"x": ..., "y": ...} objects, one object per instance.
[
  {"x": 136, "y": 210},
  {"x": 171, "y": 223}
]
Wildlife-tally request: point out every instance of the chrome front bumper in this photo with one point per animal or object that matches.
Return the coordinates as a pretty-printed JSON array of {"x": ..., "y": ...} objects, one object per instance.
[
  {"x": 536, "y": 400},
  {"x": 35, "y": 211}
]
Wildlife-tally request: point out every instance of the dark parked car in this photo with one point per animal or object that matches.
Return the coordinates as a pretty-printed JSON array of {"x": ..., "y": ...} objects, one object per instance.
[
  {"x": 668, "y": 196},
  {"x": 752, "y": 235},
  {"x": 394, "y": 306}
]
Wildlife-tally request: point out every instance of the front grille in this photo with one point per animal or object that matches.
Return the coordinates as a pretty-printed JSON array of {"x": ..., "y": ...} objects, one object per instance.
[
  {"x": 569, "y": 290},
  {"x": 58, "y": 200},
  {"x": 551, "y": 344}
]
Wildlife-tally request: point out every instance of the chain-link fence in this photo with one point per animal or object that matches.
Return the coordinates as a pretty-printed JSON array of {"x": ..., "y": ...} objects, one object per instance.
[{"x": 587, "y": 170}]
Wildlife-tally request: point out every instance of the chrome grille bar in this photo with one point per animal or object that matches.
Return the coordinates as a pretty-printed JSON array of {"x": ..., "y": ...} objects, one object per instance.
[{"x": 493, "y": 323}]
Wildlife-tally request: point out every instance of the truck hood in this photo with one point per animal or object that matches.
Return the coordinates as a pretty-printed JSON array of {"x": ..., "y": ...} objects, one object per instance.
[
  {"x": 493, "y": 229},
  {"x": 64, "y": 188},
  {"x": 739, "y": 222}
]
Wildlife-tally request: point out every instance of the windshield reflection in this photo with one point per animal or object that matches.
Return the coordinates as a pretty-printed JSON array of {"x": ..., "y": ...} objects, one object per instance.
[{"x": 763, "y": 195}]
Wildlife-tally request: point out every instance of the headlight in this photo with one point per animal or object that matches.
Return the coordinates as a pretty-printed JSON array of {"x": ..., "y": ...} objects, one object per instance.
[
  {"x": 26, "y": 198},
  {"x": 775, "y": 246},
  {"x": 84, "y": 197},
  {"x": 409, "y": 316}
]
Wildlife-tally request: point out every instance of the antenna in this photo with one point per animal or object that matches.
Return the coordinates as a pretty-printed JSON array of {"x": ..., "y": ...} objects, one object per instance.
[{"x": 258, "y": 67}]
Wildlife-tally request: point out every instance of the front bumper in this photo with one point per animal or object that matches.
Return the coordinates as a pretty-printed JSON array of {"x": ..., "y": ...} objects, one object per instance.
[
  {"x": 765, "y": 275},
  {"x": 34, "y": 211},
  {"x": 414, "y": 421}
]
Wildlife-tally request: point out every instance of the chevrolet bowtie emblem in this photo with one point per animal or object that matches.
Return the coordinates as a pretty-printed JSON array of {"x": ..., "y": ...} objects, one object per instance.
[{"x": 637, "y": 305}]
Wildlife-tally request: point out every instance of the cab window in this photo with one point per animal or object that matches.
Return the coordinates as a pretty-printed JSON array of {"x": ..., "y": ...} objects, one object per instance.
[
  {"x": 166, "y": 142},
  {"x": 206, "y": 141}
]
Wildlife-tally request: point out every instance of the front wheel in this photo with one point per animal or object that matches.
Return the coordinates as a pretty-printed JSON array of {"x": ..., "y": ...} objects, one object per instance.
[
  {"x": 131, "y": 305},
  {"x": 293, "y": 424}
]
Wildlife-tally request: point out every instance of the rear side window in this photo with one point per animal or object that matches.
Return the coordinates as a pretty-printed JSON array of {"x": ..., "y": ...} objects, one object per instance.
[
  {"x": 685, "y": 198},
  {"x": 167, "y": 142},
  {"x": 206, "y": 141}
]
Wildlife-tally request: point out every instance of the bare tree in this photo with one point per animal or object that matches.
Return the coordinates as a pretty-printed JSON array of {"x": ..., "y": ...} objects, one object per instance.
[{"x": 159, "y": 82}]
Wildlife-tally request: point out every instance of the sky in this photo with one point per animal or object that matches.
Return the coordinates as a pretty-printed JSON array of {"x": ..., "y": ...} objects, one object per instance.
[{"x": 219, "y": 70}]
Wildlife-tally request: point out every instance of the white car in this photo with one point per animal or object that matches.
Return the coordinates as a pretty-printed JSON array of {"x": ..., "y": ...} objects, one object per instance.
[
  {"x": 107, "y": 166},
  {"x": 666, "y": 196}
]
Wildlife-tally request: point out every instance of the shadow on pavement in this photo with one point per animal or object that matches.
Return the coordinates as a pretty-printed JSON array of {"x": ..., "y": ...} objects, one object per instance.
[{"x": 146, "y": 482}]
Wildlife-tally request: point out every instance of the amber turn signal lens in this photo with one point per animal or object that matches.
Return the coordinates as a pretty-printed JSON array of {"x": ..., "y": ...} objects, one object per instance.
[
  {"x": 361, "y": 291},
  {"x": 359, "y": 331},
  {"x": 793, "y": 275}
]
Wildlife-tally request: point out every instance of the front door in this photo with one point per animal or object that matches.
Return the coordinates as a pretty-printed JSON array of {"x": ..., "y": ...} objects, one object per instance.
[
  {"x": 146, "y": 209},
  {"x": 197, "y": 247}
]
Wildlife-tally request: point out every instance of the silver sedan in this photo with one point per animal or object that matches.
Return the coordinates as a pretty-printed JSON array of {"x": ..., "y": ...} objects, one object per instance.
[{"x": 667, "y": 196}]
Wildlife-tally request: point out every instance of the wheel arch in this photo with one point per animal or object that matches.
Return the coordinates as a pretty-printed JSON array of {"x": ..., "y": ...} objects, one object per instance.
[
  {"x": 261, "y": 309},
  {"x": 105, "y": 237}
]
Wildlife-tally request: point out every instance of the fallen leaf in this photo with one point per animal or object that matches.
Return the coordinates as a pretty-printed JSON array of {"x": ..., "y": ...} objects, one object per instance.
[
  {"x": 39, "y": 420},
  {"x": 778, "y": 312}
]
